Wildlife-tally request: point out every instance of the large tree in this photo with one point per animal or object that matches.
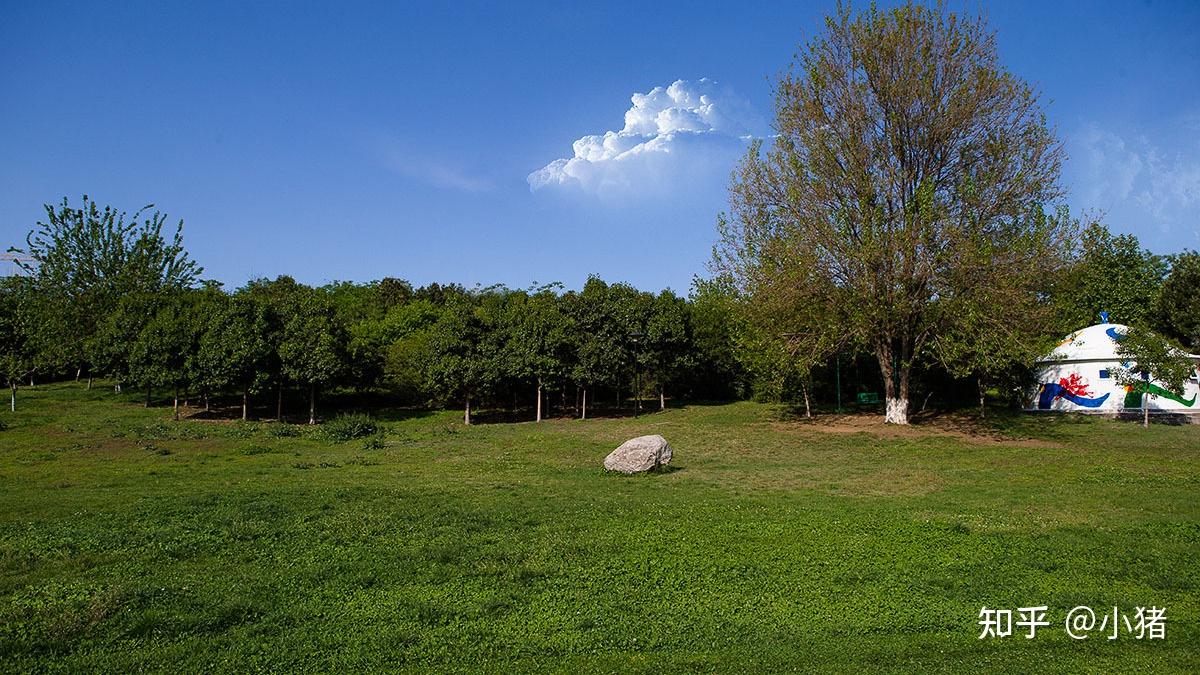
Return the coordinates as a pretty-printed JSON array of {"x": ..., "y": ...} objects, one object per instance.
[
  {"x": 86, "y": 259},
  {"x": 904, "y": 152}
]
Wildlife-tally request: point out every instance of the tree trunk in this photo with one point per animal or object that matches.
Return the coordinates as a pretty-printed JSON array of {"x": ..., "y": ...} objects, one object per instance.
[
  {"x": 895, "y": 384},
  {"x": 539, "y": 402},
  {"x": 662, "y": 399},
  {"x": 12, "y": 396},
  {"x": 206, "y": 408},
  {"x": 89, "y": 385},
  {"x": 1146, "y": 410},
  {"x": 807, "y": 406},
  {"x": 312, "y": 402},
  {"x": 78, "y": 372},
  {"x": 176, "y": 403},
  {"x": 245, "y": 404},
  {"x": 583, "y": 408},
  {"x": 982, "y": 398},
  {"x": 467, "y": 411},
  {"x": 147, "y": 396},
  {"x": 279, "y": 402}
]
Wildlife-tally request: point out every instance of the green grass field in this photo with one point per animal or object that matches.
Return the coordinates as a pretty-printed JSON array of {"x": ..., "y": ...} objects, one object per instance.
[{"x": 129, "y": 542}]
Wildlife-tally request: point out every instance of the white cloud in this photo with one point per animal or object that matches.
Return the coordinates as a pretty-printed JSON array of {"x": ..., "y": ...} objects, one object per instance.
[
  {"x": 1141, "y": 186},
  {"x": 673, "y": 137}
]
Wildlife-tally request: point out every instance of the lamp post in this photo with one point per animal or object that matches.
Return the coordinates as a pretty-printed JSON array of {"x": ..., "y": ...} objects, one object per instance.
[{"x": 635, "y": 337}]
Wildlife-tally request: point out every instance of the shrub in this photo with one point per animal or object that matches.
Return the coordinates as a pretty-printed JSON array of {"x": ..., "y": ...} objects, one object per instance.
[
  {"x": 348, "y": 427},
  {"x": 281, "y": 430}
]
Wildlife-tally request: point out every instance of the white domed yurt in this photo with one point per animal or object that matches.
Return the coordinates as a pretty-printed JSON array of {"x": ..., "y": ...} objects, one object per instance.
[{"x": 1079, "y": 375}]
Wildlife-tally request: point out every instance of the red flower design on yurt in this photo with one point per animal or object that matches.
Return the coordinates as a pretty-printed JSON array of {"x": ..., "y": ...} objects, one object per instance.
[{"x": 1075, "y": 384}]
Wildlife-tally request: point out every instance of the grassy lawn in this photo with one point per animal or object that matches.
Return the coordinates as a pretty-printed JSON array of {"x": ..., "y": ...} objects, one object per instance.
[{"x": 128, "y": 541}]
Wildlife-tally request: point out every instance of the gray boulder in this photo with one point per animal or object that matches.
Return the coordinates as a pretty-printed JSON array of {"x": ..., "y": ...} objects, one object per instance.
[{"x": 639, "y": 454}]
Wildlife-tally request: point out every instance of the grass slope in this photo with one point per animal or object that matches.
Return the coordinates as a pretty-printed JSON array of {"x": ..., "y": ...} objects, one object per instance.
[{"x": 128, "y": 542}]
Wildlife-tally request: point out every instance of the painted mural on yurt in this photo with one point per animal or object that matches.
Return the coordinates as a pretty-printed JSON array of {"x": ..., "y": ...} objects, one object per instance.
[{"x": 1079, "y": 375}]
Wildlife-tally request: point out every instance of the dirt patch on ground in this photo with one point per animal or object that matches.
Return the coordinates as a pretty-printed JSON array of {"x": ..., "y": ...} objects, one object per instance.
[{"x": 947, "y": 426}]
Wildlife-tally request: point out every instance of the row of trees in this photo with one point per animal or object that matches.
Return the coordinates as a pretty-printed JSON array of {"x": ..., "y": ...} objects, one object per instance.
[
  {"x": 125, "y": 302},
  {"x": 116, "y": 298}
]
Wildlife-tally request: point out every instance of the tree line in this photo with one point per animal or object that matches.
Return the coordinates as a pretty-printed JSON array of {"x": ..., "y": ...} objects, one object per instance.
[
  {"x": 116, "y": 297},
  {"x": 119, "y": 298}
]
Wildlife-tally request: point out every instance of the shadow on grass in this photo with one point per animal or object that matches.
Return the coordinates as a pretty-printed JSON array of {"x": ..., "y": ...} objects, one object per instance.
[
  {"x": 660, "y": 471},
  {"x": 998, "y": 423}
]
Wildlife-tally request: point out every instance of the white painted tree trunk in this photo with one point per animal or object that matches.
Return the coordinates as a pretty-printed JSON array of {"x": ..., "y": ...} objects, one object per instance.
[
  {"x": 539, "y": 402},
  {"x": 12, "y": 402},
  {"x": 807, "y": 405},
  {"x": 245, "y": 404},
  {"x": 662, "y": 400},
  {"x": 312, "y": 403},
  {"x": 583, "y": 409},
  {"x": 897, "y": 411},
  {"x": 467, "y": 412}
]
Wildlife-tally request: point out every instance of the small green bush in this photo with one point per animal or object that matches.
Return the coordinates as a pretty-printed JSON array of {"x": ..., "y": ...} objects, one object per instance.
[
  {"x": 349, "y": 427},
  {"x": 374, "y": 443},
  {"x": 282, "y": 430}
]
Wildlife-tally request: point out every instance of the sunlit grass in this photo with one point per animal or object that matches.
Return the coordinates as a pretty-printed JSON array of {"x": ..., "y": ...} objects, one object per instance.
[{"x": 130, "y": 541}]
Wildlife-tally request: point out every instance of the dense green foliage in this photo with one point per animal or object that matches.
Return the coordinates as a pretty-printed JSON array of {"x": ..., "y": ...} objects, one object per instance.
[
  {"x": 902, "y": 194},
  {"x": 1177, "y": 308},
  {"x": 1114, "y": 274},
  {"x": 544, "y": 350},
  {"x": 129, "y": 542}
]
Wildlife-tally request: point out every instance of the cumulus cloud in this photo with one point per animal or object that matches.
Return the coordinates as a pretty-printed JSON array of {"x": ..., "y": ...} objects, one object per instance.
[
  {"x": 672, "y": 136},
  {"x": 1139, "y": 184}
]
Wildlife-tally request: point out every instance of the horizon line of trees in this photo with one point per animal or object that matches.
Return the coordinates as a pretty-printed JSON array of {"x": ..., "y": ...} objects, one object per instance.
[
  {"x": 122, "y": 300},
  {"x": 107, "y": 296}
]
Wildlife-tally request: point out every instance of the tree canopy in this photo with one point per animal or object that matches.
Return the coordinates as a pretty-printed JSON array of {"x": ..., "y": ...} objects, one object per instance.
[{"x": 909, "y": 169}]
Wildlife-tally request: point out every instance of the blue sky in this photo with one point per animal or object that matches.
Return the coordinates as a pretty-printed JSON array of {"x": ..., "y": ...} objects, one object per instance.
[{"x": 356, "y": 141}]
